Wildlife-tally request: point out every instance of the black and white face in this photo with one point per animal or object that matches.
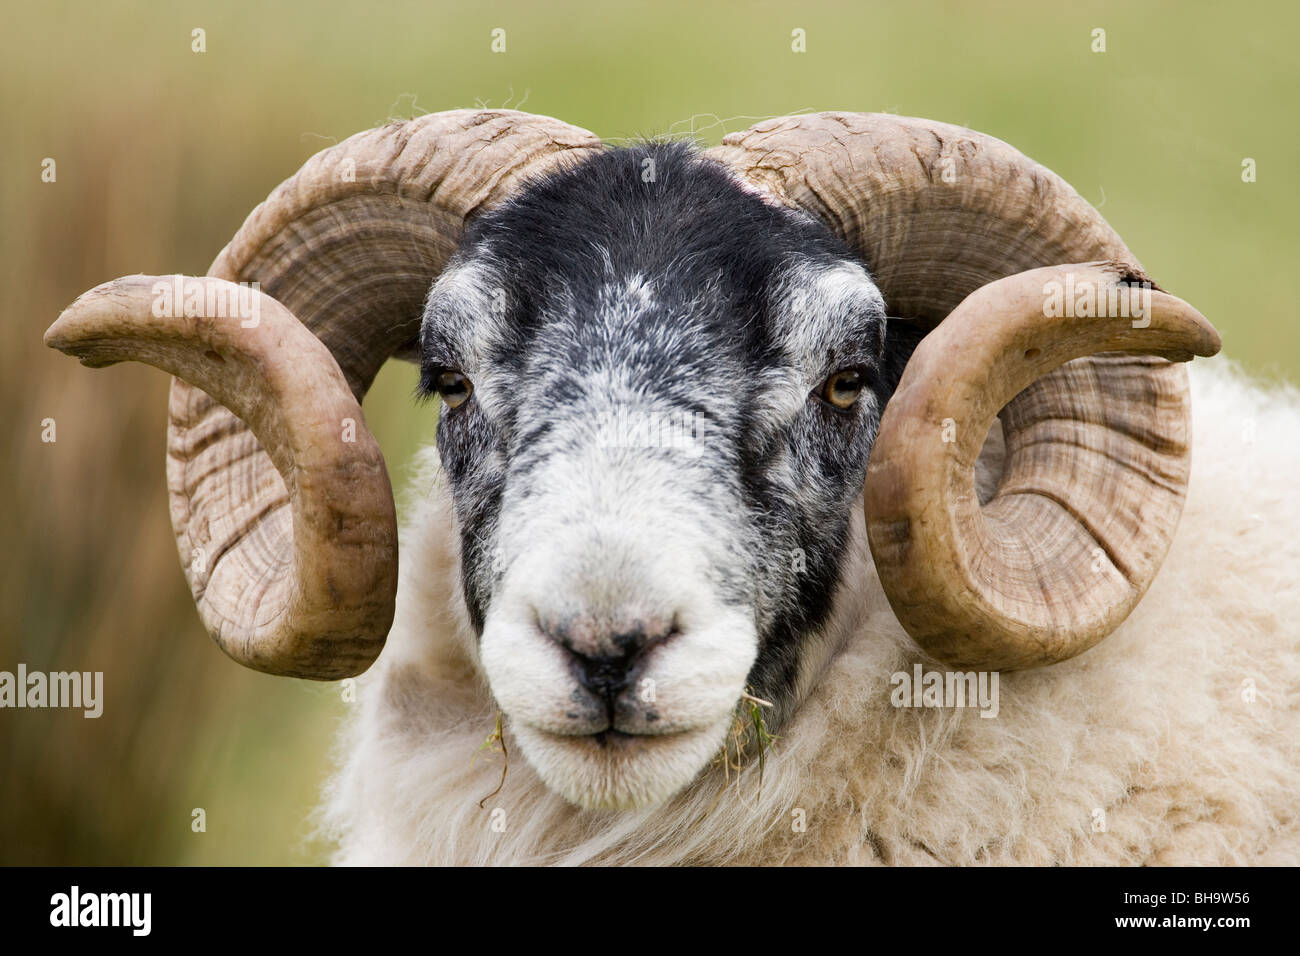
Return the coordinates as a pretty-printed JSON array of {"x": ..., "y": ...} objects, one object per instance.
[{"x": 660, "y": 391}]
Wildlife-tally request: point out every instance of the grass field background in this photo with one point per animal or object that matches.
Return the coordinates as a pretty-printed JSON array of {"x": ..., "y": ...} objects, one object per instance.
[{"x": 160, "y": 152}]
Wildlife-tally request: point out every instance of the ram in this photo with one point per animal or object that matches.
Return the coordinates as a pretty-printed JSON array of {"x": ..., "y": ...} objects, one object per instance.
[{"x": 753, "y": 467}]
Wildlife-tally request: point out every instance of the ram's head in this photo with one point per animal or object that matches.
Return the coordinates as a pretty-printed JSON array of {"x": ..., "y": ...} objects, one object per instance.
[{"x": 663, "y": 374}]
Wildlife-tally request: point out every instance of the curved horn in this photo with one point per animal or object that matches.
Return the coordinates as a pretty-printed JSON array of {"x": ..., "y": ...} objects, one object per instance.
[
  {"x": 1092, "y": 488},
  {"x": 1097, "y": 449},
  {"x": 280, "y": 501}
]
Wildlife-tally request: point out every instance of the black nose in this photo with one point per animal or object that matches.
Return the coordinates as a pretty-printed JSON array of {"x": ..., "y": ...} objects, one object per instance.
[
  {"x": 604, "y": 660},
  {"x": 605, "y": 676}
]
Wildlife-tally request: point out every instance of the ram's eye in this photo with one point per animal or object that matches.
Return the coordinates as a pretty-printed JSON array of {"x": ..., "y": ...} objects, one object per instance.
[
  {"x": 454, "y": 388},
  {"x": 843, "y": 388}
]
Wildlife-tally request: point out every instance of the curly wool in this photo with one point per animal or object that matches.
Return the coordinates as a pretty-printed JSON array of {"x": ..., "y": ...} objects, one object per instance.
[{"x": 1172, "y": 742}]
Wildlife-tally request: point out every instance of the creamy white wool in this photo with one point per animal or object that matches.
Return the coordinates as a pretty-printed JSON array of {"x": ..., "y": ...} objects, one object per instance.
[{"x": 1151, "y": 734}]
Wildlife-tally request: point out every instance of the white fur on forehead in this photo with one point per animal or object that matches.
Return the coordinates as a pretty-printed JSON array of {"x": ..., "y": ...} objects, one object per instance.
[{"x": 629, "y": 297}]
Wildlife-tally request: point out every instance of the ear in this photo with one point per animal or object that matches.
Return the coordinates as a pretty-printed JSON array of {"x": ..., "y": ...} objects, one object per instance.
[{"x": 901, "y": 339}]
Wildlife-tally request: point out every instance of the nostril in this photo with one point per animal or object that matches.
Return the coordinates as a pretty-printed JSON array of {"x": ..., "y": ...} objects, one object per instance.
[
  {"x": 605, "y": 658},
  {"x": 605, "y": 669},
  {"x": 605, "y": 677}
]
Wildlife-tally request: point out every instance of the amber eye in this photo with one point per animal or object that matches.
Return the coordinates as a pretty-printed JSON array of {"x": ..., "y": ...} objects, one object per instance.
[
  {"x": 454, "y": 388},
  {"x": 843, "y": 388}
]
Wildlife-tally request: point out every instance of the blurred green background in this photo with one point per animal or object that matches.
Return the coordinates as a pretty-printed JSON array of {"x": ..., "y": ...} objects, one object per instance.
[{"x": 162, "y": 151}]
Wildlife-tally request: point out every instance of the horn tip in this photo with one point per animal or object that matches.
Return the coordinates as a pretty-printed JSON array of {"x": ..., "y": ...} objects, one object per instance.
[
  {"x": 63, "y": 333},
  {"x": 1213, "y": 343},
  {"x": 70, "y": 335},
  {"x": 1203, "y": 339},
  {"x": 60, "y": 335}
]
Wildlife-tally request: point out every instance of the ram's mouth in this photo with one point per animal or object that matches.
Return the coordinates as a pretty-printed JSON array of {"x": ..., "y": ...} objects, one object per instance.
[
  {"x": 613, "y": 738},
  {"x": 615, "y": 770},
  {"x": 615, "y": 741}
]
